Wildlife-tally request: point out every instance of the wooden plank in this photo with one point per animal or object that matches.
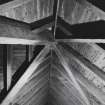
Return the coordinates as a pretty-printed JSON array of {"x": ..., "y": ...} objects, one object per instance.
[
  {"x": 65, "y": 81},
  {"x": 26, "y": 98},
  {"x": 34, "y": 82},
  {"x": 23, "y": 80},
  {"x": 92, "y": 52},
  {"x": 39, "y": 100},
  {"x": 65, "y": 94},
  {"x": 84, "y": 63},
  {"x": 95, "y": 91},
  {"x": 90, "y": 87},
  {"x": 99, "y": 11},
  {"x": 80, "y": 40},
  {"x": 60, "y": 92},
  {"x": 16, "y": 32},
  {"x": 34, "y": 85},
  {"x": 81, "y": 11},
  {"x": 65, "y": 64},
  {"x": 8, "y": 4},
  {"x": 44, "y": 64},
  {"x": 7, "y": 40},
  {"x": 7, "y": 66}
]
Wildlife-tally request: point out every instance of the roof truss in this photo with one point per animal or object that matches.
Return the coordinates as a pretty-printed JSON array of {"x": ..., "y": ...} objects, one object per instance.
[{"x": 33, "y": 33}]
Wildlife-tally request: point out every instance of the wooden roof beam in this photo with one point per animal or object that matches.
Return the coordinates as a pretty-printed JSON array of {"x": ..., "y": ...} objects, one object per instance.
[
  {"x": 83, "y": 61},
  {"x": 17, "y": 32},
  {"x": 24, "y": 79},
  {"x": 65, "y": 64},
  {"x": 8, "y": 4},
  {"x": 89, "y": 86},
  {"x": 79, "y": 77}
]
